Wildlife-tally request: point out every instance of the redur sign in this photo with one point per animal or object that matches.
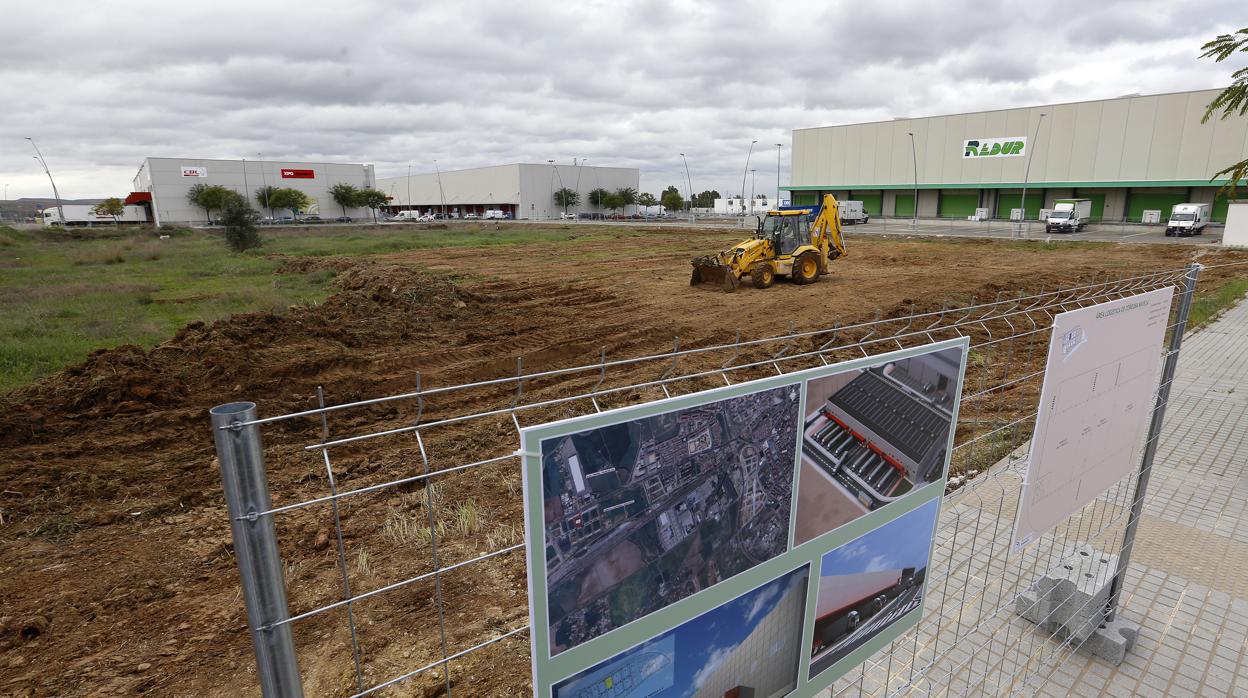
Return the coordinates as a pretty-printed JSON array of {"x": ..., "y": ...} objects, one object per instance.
[{"x": 995, "y": 147}]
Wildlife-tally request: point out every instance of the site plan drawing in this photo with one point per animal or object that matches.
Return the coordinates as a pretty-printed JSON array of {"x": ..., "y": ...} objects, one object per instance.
[{"x": 1099, "y": 388}]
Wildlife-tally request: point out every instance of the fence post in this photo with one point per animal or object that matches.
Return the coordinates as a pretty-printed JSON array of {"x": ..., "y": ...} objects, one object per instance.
[
  {"x": 241, "y": 456},
  {"x": 1154, "y": 433}
]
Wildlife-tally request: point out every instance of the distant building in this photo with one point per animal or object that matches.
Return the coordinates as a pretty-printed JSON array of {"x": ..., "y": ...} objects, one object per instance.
[
  {"x": 521, "y": 190},
  {"x": 757, "y": 205},
  {"x": 161, "y": 185},
  {"x": 1127, "y": 155}
]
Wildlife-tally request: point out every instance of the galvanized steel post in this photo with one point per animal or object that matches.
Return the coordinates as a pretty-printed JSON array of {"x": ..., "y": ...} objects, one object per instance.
[
  {"x": 1154, "y": 433},
  {"x": 246, "y": 487}
]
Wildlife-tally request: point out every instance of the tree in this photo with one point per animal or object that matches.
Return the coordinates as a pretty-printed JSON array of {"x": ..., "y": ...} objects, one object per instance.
[
  {"x": 373, "y": 199},
  {"x": 706, "y": 199},
  {"x": 613, "y": 201},
  {"x": 647, "y": 199},
  {"x": 292, "y": 199},
  {"x": 671, "y": 199},
  {"x": 264, "y": 197},
  {"x": 345, "y": 195},
  {"x": 1233, "y": 100},
  {"x": 567, "y": 197},
  {"x": 111, "y": 206},
  {"x": 626, "y": 196},
  {"x": 211, "y": 198},
  {"x": 597, "y": 196},
  {"x": 239, "y": 220}
]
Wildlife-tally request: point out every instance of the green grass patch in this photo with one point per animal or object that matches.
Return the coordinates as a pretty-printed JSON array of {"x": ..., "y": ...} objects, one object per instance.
[
  {"x": 64, "y": 294},
  {"x": 1206, "y": 308}
]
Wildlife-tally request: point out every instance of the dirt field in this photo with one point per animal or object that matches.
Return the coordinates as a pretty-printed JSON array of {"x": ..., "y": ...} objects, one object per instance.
[{"x": 117, "y": 572}]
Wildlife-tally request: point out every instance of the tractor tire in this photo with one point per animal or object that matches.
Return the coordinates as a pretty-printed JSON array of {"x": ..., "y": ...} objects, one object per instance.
[
  {"x": 762, "y": 276},
  {"x": 805, "y": 269}
]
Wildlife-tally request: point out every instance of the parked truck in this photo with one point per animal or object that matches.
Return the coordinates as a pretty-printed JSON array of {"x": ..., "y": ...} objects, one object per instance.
[
  {"x": 1069, "y": 216},
  {"x": 84, "y": 215},
  {"x": 1188, "y": 219},
  {"x": 853, "y": 213}
]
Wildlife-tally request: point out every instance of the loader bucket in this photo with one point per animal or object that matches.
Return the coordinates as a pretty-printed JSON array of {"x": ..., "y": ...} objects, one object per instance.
[{"x": 710, "y": 271}]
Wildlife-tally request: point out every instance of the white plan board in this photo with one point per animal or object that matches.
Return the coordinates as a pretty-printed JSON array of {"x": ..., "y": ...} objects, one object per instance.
[{"x": 1100, "y": 385}]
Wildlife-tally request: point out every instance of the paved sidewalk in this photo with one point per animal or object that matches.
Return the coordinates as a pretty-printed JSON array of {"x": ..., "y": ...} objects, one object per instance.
[{"x": 1187, "y": 586}]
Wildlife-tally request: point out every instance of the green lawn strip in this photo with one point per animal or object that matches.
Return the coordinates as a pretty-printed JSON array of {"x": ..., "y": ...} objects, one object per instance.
[{"x": 1207, "y": 307}]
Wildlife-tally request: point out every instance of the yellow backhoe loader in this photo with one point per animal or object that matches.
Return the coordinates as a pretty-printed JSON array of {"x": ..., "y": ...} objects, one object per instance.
[{"x": 785, "y": 244}]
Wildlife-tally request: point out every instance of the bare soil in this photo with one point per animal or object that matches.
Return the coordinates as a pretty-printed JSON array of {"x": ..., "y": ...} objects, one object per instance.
[{"x": 117, "y": 574}]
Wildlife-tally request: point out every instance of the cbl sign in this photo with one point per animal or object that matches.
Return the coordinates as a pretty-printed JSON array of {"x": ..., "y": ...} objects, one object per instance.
[
  {"x": 298, "y": 174},
  {"x": 995, "y": 147}
]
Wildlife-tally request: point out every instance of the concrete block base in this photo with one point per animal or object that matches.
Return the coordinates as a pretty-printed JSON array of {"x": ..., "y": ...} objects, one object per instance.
[{"x": 1068, "y": 602}]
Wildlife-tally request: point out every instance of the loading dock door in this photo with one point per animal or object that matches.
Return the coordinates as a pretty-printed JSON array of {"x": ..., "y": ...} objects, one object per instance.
[
  {"x": 904, "y": 207},
  {"x": 870, "y": 202},
  {"x": 958, "y": 205},
  {"x": 1141, "y": 202},
  {"x": 1007, "y": 202}
]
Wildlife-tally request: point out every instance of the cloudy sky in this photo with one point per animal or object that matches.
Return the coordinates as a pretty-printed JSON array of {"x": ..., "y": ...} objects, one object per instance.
[{"x": 101, "y": 85}]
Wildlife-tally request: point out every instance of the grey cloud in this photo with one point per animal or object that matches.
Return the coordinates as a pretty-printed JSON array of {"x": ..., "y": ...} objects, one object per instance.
[{"x": 472, "y": 84}]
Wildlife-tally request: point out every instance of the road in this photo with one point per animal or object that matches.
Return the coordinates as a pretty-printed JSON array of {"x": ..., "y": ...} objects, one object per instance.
[{"x": 906, "y": 602}]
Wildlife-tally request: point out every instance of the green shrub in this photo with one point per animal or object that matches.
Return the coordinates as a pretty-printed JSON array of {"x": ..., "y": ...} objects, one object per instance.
[{"x": 240, "y": 228}]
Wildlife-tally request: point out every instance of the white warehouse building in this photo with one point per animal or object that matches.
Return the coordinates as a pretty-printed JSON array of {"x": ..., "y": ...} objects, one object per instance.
[
  {"x": 162, "y": 184},
  {"x": 521, "y": 190}
]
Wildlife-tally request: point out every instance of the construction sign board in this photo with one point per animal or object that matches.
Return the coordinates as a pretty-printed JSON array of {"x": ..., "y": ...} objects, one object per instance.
[
  {"x": 675, "y": 545},
  {"x": 1100, "y": 385}
]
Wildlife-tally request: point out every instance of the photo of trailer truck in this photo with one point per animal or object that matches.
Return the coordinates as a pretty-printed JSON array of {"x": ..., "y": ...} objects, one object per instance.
[
  {"x": 1187, "y": 219},
  {"x": 85, "y": 215}
]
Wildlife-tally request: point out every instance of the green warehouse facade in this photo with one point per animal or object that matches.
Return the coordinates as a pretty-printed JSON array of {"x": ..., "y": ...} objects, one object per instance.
[{"x": 1128, "y": 155}]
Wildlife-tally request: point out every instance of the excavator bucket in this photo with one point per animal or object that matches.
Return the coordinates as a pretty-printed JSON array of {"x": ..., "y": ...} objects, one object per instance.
[{"x": 710, "y": 271}]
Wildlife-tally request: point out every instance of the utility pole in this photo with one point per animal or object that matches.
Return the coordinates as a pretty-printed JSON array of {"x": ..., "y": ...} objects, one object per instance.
[
  {"x": 689, "y": 187},
  {"x": 60, "y": 208},
  {"x": 1022, "y": 220},
  {"x": 753, "y": 181}
]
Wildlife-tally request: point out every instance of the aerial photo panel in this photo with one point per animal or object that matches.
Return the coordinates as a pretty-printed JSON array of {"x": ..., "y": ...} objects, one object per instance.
[
  {"x": 872, "y": 436},
  {"x": 640, "y": 514},
  {"x": 749, "y": 646}
]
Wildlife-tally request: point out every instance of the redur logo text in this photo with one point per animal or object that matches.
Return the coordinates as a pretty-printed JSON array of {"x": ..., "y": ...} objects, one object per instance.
[{"x": 974, "y": 149}]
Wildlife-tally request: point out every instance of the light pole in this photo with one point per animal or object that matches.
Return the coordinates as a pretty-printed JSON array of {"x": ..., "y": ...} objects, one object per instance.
[
  {"x": 753, "y": 181},
  {"x": 914, "y": 223},
  {"x": 556, "y": 175},
  {"x": 778, "y": 146},
  {"x": 689, "y": 187},
  {"x": 1022, "y": 219},
  {"x": 578, "y": 182},
  {"x": 747, "y": 169},
  {"x": 60, "y": 209},
  {"x": 441, "y": 191},
  {"x": 265, "y": 181},
  {"x": 246, "y": 187}
]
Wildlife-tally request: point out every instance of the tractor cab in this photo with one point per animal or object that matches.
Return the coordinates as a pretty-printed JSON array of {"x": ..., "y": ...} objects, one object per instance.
[{"x": 787, "y": 230}]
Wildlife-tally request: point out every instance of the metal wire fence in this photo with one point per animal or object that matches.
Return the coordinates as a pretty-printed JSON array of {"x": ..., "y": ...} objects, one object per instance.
[{"x": 398, "y": 533}]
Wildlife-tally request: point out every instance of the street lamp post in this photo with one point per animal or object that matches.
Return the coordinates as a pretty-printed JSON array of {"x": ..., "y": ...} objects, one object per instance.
[
  {"x": 778, "y": 146},
  {"x": 265, "y": 182},
  {"x": 689, "y": 186},
  {"x": 441, "y": 191},
  {"x": 753, "y": 181},
  {"x": 747, "y": 169},
  {"x": 60, "y": 208},
  {"x": 1022, "y": 219},
  {"x": 914, "y": 157}
]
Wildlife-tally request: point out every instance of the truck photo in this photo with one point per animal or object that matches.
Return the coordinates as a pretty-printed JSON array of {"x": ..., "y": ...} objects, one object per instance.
[
  {"x": 1069, "y": 216},
  {"x": 1187, "y": 219},
  {"x": 853, "y": 213}
]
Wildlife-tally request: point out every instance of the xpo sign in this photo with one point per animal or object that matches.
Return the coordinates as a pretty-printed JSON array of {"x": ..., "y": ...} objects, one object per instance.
[
  {"x": 995, "y": 147},
  {"x": 298, "y": 174}
]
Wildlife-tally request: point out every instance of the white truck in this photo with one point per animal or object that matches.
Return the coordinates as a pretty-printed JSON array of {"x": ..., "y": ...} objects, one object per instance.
[
  {"x": 84, "y": 215},
  {"x": 1069, "y": 216},
  {"x": 1187, "y": 219},
  {"x": 852, "y": 212}
]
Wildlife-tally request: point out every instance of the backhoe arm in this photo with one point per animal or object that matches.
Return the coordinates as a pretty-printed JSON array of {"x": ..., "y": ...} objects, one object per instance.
[{"x": 828, "y": 226}]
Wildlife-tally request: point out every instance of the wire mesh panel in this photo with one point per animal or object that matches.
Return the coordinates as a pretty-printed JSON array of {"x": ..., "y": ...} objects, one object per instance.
[{"x": 399, "y": 518}]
